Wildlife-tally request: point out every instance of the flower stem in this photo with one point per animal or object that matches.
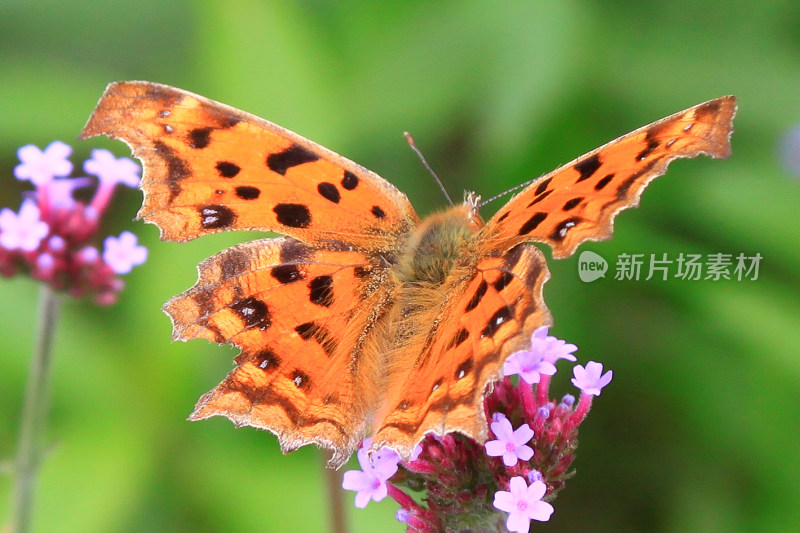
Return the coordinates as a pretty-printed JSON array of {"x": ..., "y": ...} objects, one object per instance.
[
  {"x": 34, "y": 412},
  {"x": 333, "y": 486}
]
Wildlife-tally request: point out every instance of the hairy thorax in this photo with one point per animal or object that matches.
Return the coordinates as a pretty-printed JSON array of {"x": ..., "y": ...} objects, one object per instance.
[{"x": 442, "y": 242}]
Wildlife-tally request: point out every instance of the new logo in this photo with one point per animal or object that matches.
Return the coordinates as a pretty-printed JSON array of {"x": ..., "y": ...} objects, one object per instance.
[{"x": 591, "y": 266}]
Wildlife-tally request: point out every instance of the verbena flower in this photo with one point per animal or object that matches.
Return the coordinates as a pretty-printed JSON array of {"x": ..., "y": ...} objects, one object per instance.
[
  {"x": 540, "y": 359},
  {"x": 591, "y": 379},
  {"x": 370, "y": 481},
  {"x": 52, "y": 236},
  {"x": 123, "y": 253},
  {"x": 41, "y": 166},
  {"x": 454, "y": 484},
  {"x": 523, "y": 503},
  {"x": 510, "y": 443},
  {"x": 23, "y": 231}
]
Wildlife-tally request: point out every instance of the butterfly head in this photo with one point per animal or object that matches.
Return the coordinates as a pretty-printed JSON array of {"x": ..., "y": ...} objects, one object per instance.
[{"x": 472, "y": 202}]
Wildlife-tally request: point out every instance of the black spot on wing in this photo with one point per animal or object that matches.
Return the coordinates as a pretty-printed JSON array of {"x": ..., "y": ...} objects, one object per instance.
[
  {"x": 603, "y": 182},
  {"x": 502, "y": 282},
  {"x": 216, "y": 216},
  {"x": 329, "y": 192},
  {"x": 295, "y": 155},
  {"x": 532, "y": 223},
  {"x": 460, "y": 336},
  {"x": 587, "y": 167},
  {"x": 349, "y": 181},
  {"x": 477, "y": 297},
  {"x": 301, "y": 380},
  {"x": 267, "y": 360},
  {"x": 500, "y": 317},
  {"x": 320, "y": 334},
  {"x": 560, "y": 233},
  {"x": 253, "y": 312},
  {"x": 199, "y": 138},
  {"x": 293, "y": 215},
  {"x": 321, "y": 291},
  {"x": 286, "y": 273},
  {"x": 464, "y": 368},
  {"x": 248, "y": 193},
  {"x": 543, "y": 186},
  {"x": 572, "y": 203},
  {"x": 226, "y": 169}
]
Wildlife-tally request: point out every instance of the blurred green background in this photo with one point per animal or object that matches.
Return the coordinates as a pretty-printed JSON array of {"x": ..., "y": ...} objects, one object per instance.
[{"x": 700, "y": 430}]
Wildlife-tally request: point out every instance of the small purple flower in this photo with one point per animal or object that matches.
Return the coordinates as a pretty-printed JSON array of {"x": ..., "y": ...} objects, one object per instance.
[
  {"x": 540, "y": 359},
  {"x": 60, "y": 191},
  {"x": 591, "y": 380},
  {"x": 510, "y": 443},
  {"x": 523, "y": 503},
  {"x": 88, "y": 254},
  {"x": 534, "y": 476},
  {"x": 24, "y": 231},
  {"x": 42, "y": 166},
  {"x": 401, "y": 515},
  {"x": 370, "y": 481},
  {"x": 56, "y": 244},
  {"x": 111, "y": 170},
  {"x": 123, "y": 253}
]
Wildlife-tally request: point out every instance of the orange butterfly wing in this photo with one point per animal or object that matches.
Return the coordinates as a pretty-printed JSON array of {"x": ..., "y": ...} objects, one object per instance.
[
  {"x": 493, "y": 313},
  {"x": 578, "y": 201},
  {"x": 302, "y": 307},
  {"x": 210, "y": 167},
  {"x": 291, "y": 310}
]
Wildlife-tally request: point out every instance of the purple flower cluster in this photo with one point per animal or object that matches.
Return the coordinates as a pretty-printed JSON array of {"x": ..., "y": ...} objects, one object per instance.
[
  {"x": 508, "y": 480},
  {"x": 51, "y": 235}
]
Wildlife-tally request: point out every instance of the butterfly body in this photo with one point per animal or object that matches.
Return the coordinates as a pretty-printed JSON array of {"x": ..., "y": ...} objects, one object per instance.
[{"x": 362, "y": 319}]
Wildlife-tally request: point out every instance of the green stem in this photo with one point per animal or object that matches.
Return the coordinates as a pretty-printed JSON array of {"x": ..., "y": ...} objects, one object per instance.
[
  {"x": 333, "y": 486},
  {"x": 34, "y": 412}
]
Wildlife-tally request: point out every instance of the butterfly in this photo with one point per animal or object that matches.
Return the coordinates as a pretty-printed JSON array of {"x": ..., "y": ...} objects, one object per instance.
[{"x": 363, "y": 318}]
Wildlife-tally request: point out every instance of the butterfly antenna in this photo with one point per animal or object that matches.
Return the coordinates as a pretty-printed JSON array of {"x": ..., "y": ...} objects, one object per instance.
[
  {"x": 424, "y": 162},
  {"x": 507, "y": 191}
]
